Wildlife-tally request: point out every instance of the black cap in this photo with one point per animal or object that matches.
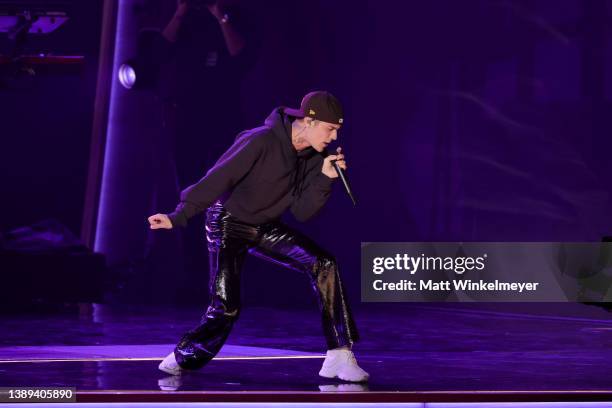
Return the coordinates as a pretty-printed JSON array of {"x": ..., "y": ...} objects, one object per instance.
[{"x": 319, "y": 105}]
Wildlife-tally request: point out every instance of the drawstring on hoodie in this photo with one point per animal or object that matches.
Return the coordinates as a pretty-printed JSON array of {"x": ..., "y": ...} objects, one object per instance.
[{"x": 299, "y": 176}]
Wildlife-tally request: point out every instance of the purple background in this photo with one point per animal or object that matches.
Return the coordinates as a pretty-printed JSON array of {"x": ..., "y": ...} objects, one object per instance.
[{"x": 465, "y": 120}]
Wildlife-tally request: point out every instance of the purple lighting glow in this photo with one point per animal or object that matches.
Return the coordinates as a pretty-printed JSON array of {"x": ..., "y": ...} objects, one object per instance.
[
  {"x": 127, "y": 76},
  {"x": 110, "y": 175}
]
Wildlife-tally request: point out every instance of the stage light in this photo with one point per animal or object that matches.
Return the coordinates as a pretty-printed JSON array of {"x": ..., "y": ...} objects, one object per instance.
[
  {"x": 127, "y": 75},
  {"x": 138, "y": 73},
  {"x": 141, "y": 71}
]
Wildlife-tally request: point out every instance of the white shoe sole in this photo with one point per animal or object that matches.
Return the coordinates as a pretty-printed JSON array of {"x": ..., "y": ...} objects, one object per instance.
[
  {"x": 326, "y": 375},
  {"x": 169, "y": 370},
  {"x": 358, "y": 380},
  {"x": 329, "y": 375}
]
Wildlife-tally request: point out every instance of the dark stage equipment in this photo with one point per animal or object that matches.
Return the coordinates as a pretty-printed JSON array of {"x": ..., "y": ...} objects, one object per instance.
[
  {"x": 19, "y": 20},
  {"x": 46, "y": 263}
]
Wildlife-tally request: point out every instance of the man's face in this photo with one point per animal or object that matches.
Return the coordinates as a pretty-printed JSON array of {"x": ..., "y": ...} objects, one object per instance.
[{"x": 321, "y": 134}]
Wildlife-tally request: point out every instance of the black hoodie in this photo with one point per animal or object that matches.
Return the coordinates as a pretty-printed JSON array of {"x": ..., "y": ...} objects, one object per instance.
[{"x": 259, "y": 177}]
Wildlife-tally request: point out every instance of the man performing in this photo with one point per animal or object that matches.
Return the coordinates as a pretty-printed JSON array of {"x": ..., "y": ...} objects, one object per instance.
[{"x": 267, "y": 170}]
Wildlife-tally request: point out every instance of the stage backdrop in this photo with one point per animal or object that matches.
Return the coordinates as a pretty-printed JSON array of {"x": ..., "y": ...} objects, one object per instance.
[{"x": 465, "y": 121}]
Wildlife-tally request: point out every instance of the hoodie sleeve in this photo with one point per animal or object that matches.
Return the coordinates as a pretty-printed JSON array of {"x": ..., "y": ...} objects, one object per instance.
[
  {"x": 233, "y": 165},
  {"x": 314, "y": 196}
]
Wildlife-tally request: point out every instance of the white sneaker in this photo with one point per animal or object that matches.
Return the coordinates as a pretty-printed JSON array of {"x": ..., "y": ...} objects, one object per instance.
[
  {"x": 341, "y": 363},
  {"x": 170, "y": 366}
]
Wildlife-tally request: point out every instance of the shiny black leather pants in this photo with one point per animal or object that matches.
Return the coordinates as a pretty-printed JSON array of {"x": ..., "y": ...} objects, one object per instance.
[{"x": 229, "y": 241}]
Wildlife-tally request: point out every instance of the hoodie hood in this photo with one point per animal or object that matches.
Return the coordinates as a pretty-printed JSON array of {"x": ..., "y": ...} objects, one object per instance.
[{"x": 280, "y": 123}]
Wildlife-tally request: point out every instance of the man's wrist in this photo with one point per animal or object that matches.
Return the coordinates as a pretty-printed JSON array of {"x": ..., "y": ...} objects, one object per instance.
[
  {"x": 177, "y": 219},
  {"x": 329, "y": 176},
  {"x": 324, "y": 180}
]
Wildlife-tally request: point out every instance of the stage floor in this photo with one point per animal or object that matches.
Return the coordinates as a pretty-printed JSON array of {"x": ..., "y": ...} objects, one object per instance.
[{"x": 413, "y": 352}]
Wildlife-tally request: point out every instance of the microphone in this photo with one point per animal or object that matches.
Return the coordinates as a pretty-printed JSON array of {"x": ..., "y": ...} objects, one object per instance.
[{"x": 347, "y": 187}]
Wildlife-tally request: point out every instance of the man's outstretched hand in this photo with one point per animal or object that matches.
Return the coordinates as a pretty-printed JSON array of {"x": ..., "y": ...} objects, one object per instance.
[{"x": 160, "y": 221}]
